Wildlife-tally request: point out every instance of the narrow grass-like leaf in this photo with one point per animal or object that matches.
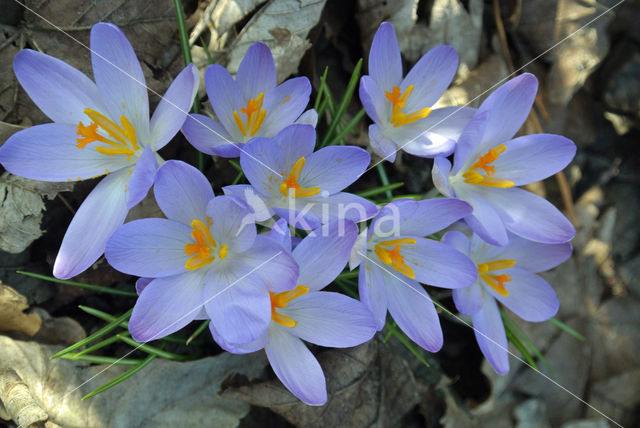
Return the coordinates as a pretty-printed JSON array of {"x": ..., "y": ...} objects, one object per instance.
[
  {"x": 104, "y": 330},
  {"x": 235, "y": 164},
  {"x": 395, "y": 198},
  {"x": 347, "y": 287},
  {"x": 377, "y": 190},
  {"x": 323, "y": 83},
  {"x": 323, "y": 108},
  {"x": 408, "y": 344},
  {"x": 155, "y": 351},
  {"x": 206, "y": 50},
  {"x": 202, "y": 327},
  {"x": 511, "y": 337},
  {"x": 390, "y": 329},
  {"x": 99, "y": 359},
  {"x": 352, "y": 123},
  {"x": 566, "y": 328},
  {"x": 525, "y": 339},
  {"x": 237, "y": 179},
  {"x": 384, "y": 179},
  {"x": 93, "y": 287},
  {"x": 124, "y": 376},
  {"x": 348, "y": 275},
  {"x": 99, "y": 345}
]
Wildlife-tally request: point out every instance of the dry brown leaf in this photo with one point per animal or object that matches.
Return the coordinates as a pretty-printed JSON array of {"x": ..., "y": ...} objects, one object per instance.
[
  {"x": 19, "y": 404},
  {"x": 12, "y": 318}
]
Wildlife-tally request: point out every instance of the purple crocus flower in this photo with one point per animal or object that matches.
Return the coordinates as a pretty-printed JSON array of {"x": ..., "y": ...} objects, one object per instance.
[
  {"x": 401, "y": 108},
  {"x": 100, "y": 128},
  {"x": 306, "y": 313},
  {"x": 291, "y": 180},
  {"x": 506, "y": 274},
  {"x": 204, "y": 260},
  {"x": 394, "y": 258},
  {"x": 249, "y": 106},
  {"x": 488, "y": 165}
]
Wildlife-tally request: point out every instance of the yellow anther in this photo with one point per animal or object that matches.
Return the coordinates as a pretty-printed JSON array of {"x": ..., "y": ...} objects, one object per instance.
[
  {"x": 496, "y": 281},
  {"x": 122, "y": 139},
  {"x": 392, "y": 257},
  {"x": 280, "y": 300},
  {"x": 255, "y": 116},
  {"x": 201, "y": 251},
  {"x": 398, "y": 101},
  {"x": 290, "y": 184},
  {"x": 484, "y": 163}
]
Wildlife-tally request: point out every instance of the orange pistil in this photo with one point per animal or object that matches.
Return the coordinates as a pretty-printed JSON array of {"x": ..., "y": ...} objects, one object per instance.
[
  {"x": 122, "y": 141},
  {"x": 280, "y": 300},
  {"x": 398, "y": 101},
  {"x": 496, "y": 281},
  {"x": 484, "y": 163},
  {"x": 290, "y": 184},
  {"x": 201, "y": 251},
  {"x": 392, "y": 257},
  {"x": 255, "y": 116}
]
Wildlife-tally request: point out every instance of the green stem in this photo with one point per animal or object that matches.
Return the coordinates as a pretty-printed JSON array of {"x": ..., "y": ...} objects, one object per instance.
[
  {"x": 93, "y": 287},
  {"x": 202, "y": 327}
]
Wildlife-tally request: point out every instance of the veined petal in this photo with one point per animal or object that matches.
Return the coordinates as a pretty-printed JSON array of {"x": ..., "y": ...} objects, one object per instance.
[
  {"x": 381, "y": 145},
  {"x": 534, "y": 256},
  {"x": 359, "y": 249},
  {"x": 166, "y": 305},
  {"x": 174, "y": 107},
  {"x": 232, "y": 224},
  {"x": 49, "y": 153},
  {"x": 281, "y": 234},
  {"x": 95, "y": 221},
  {"x": 59, "y": 90},
  {"x": 302, "y": 218},
  {"x": 256, "y": 72},
  {"x": 440, "y": 176},
  {"x": 309, "y": 117},
  {"x": 330, "y": 319},
  {"x": 468, "y": 142},
  {"x": 468, "y": 300},
  {"x": 284, "y": 105},
  {"x": 457, "y": 240},
  {"x": 373, "y": 100},
  {"x": 225, "y": 97},
  {"x": 372, "y": 291},
  {"x": 335, "y": 167},
  {"x": 151, "y": 247},
  {"x": 385, "y": 64},
  {"x": 256, "y": 202},
  {"x": 272, "y": 263},
  {"x": 142, "y": 283},
  {"x": 239, "y": 348},
  {"x": 182, "y": 192},
  {"x": 142, "y": 177},
  {"x": 295, "y": 366},
  {"x": 485, "y": 220},
  {"x": 425, "y": 143},
  {"x": 209, "y": 136},
  {"x": 316, "y": 210},
  {"x": 430, "y": 77},
  {"x": 323, "y": 254},
  {"x": 491, "y": 336},
  {"x": 119, "y": 76}
]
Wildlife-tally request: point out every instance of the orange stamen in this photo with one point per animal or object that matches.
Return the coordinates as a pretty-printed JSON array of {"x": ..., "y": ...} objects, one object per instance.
[
  {"x": 496, "y": 281},
  {"x": 255, "y": 116},
  {"x": 201, "y": 251},
  {"x": 398, "y": 101},
  {"x": 290, "y": 186},
  {"x": 122, "y": 139},
  {"x": 392, "y": 257},
  {"x": 484, "y": 163},
  {"x": 280, "y": 300}
]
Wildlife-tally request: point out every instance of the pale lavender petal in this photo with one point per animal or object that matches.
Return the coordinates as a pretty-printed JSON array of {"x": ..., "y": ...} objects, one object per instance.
[
  {"x": 466, "y": 148},
  {"x": 358, "y": 250},
  {"x": 485, "y": 220},
  {"x": 300, "y": 219},
  {"x": 333, "y": 168},
  {"x": 372, "y": 291},
  {"x": 440, "y": 176},
  {"x": 166, "y": 305},
  {"x": 119, "y": 76},
  {"x": 174, "y": 107},
  {"x": 93, "y": 224},
  {"x": 208, "y": 136},
  {"x": 59, "y": 90},
  {"x": 425, "y": 143},
  {"x": 457, "y": 240},
  {"x": 296, "y": 367},
  {"x": 468, "y": 300},
  {"x": 530, "y": 296},
  {"x": 224, "y": 96},
  {"x": 534, "y": 256},
  {"x": 232, "y": 224},
  {"x": 142, "y": 177},
  {"x": 151, "y": 247},
  {"x": 142, "y": 283},
  {"x": 309, "y": 117},
  {"x": 281, "y": 234},
  {"x": 49, "y": 153},
  {"x": 256, "y": 202},
  {"x": 285, "y": 104},
  {"x": 381, "y": 145},
  {"x": 182, "y": 192},
  {"x": 272, "y": 263},
  {"x": 373, "y": 100},
  {"x": 430, "y": 77},
  {"x": 385, "y": 64},
  {"x": 323, "y": 254},
  {"x": 330, "y": 319},
  {"x": 491, "y": 336},
  {"x": 339, "y": 206},
  {"x": 239, "y": 348},
  {"x": 448, "y": 122},
  {"x": 257, "y": 71}
]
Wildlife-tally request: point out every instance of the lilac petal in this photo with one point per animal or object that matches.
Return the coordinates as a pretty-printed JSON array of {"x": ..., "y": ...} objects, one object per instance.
[
  {"x": 534, "y": 158},
  {"x": 272, "y": 263},
  {"x": 309, "y": 117},
  {"x": 59, "y": 90},
  {"x": 508, "y": 108},
  {"x": 430, "y": 77},
  {"x": 174, "y": 107},
  {"x": 296, "y": 367},
  {"x": 49, "y": 153},
  {"x": 224, "y": 96},
  {"x": 530, "y": 216},
  {"x": 330, "y": 319},
  {"x": 285, "y": 104},
  {"x": 300, "y": 219},
  {"x": 457, "y": 240},
  {"x": 343, "y": 205},
  {"x": 323, "y": 254},
  {"x": 257, "y": 203},
  {"x": 335, "y": 167},
  {"x": 182, "y": 192},
  {"x": 257, "y": 71},
  {"x": 425, "y": 144},
  {"x": 142, "y": 177},
  {"x": 491, "y": 336},
  {"x": 468, "y": 142},
  {"x": 238, "y": 303},
  {"x": 93, "y": 224},
  {"x": 142, "y": 283},
  {"x": 385, "y": 64},
  {"x": 239, "y": 348},
  {"x": 209, "y": 136},
  {"x": 166, "y": 305},
  {"x": 468, "y": 300},
  {"x": 414, "y": 312},
  {"x": 358, "y": 250},
  {"x": 448, "y": 122},
  {"x": 530, "y": 296},
  {"x": 373, "y": 100},
  {"x": 437, "y": 264},
  {"x": 119, "y": 76},
  {"x": 152, "y": 247},
  {"x": 281, "y": 234},
  {"x": 440, "y": 176},
  {"x": 485, "y": 220},
  {"x": 372, "y": 291},
  {"x": 535, "y": 257},
  {"x": 232, "y": 224},
  {"x": 381, "y": 145}
]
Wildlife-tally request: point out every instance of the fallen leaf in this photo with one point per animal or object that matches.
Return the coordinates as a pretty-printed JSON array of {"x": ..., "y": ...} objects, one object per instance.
[
  {"x": 12, "y": 318},
  {"x": 18, "y": 402}
]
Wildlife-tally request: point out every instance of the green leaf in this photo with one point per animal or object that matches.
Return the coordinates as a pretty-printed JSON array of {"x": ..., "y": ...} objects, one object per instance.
[
  {"x": 379, "y": 189},
  {"x": 99, "y": 359},
  {"x": 349, "y": 289},
  {"x": 352, "y": 123},
  {"x": 124, "y": 376},
  {"x": 524, "y": 338},
  {"x": 202, "y": 327},
  {"x": 206, "y": 50},
  {"x": 99, "y": 345},
  {"x": 511, "y": 337},
  {"x": 93, "y": 287},
  {"x": 323, "y": 83},
  {"x": 408, "y": 344},
  {"x": 384, "y": 179},
  {"x": 566, "y": 328},
  {"x": 152, "y": 350},
  {"x": 348, "y": 275}
]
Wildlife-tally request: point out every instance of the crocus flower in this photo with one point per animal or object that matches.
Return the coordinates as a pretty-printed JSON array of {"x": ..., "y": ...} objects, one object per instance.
[
  {"x": 506, "y": 274},
  {"x": 100, "y": 128},
  {"x": 401, "y": 108},
  {"x": 203, "y": 263},
  {"x": 291, "y": 180},
  {"x": 248, "y": 107},
  {"x": 306, "y": 313},
  {"x": 394, "y": 258},
  {"x": 489, "y": 164}
]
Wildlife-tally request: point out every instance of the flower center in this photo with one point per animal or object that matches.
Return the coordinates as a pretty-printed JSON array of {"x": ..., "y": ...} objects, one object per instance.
[
  {"x": 280, "y": 300},
  {"x": 202, "y": 251},
  {"x": 484, "y": 163},
  {"x": 255, "y": 116},
  {"x": 496, "y": 281},
  {"x": 290, "y": 186},
  {"x": 121, "y": 140},
  {"x": 392, "y": 257},
  {"x": 398, "y": 101}
]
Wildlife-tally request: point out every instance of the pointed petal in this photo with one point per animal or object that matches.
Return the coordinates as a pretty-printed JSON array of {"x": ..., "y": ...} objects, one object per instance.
[
  {"x": 372, "y": 292},
  {"x": 256, "y": 202},
  {"x": 142, "y": 283},
  {"x": 534, "y": 256},
  {"x": 239, "y": 348},
  {"x": 174, "y": 106},
  {"x": 209, "y": 136},
  {"x": 373, "y": 100},
  {"x": 385, "y": 64},
  {"x": 457, "y": 240},
  {"x": 86, "y": 237},
  {"x": 182, "y": 192},
  {"x": 339, "y": 206},
  {"x": 142, "y": 177},
  {"x": 49, "y": 153},
  {"x": 285, "y": 104},
  {"x": 281, "y": 234},
  {"x": 166, "y": 305},
  {"x": 440, "y": 176},
  {"x": 323, "y": 254},
  {"x": 232, "y": 224},
  {"x": 431, "y": 76},
  {"x": 309, "y": 117},
  {"x": 225, "y": 97},
  {"x": 257, "y": 71},
  {"x": 152, "y": 247},
  {"x": 358, "y": 250},
  {"x": 119, "y": 76},
  {"x": 424, "y": 143},
  {"x": 59, "y": 90},
  {"x": 468, "y": 300},
  {"x": 485, "y": 220},
  {"x": 491, "y": 336},
  {"x": 272, "y": 263},
  {"x": 448, "y": 122},
  {"x": 381, "y": 145},
  {"x": 333, "y": 168},
  {"x": 469, "y": 141}
]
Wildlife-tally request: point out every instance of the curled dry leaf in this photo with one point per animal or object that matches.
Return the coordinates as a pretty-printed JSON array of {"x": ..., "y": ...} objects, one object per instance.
[{"x": 12, "y": 318}]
